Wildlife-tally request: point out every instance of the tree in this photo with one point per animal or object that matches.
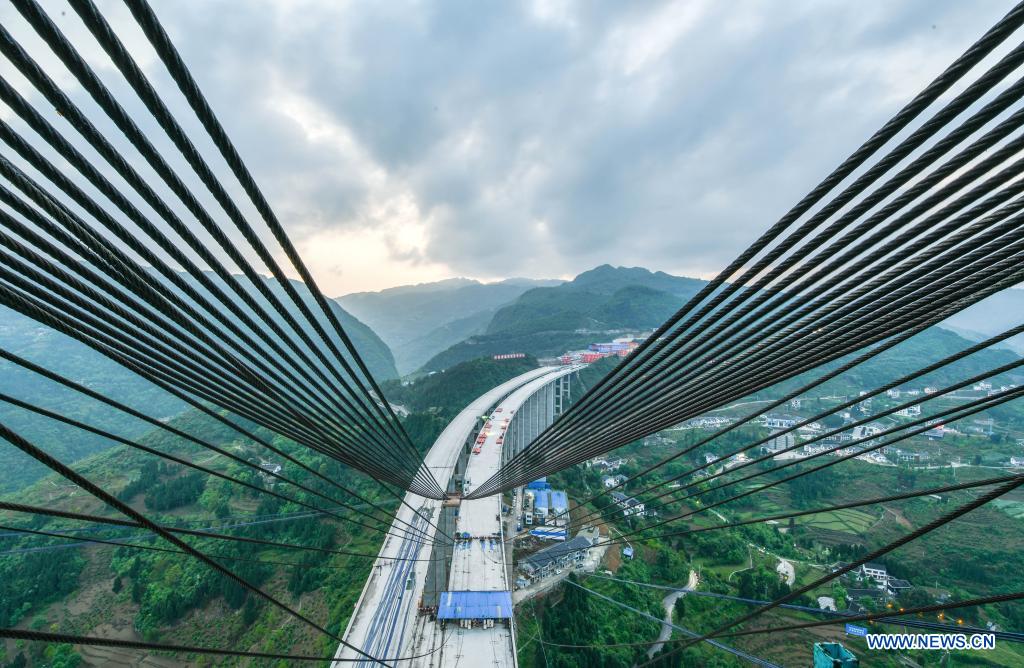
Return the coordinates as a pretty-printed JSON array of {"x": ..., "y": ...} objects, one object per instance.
[
  {"x": 915, "y": 597},
  {"x": 839, "y": 594},
  {"x": 680, "y": 607}
]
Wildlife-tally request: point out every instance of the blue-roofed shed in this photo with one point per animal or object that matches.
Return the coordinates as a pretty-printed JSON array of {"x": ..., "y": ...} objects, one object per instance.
[
  {"x": 541, "y": 502},
  {"x": 475, "y": 605},
  {"x": 559, "y": 502}
]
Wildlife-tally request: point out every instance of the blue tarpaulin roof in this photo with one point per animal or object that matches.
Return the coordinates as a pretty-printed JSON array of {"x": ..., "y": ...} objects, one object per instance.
[
  {"x": 550, "y": 534},
  {"x": 559, "y": 501},
  {"x": 475, "y": 605}
]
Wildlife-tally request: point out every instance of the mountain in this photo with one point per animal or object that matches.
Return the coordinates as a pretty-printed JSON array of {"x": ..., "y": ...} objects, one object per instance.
[
  {"x": 991, "y": 316},
  {"x": 55, "y": 351},
  {"x": 419, "y": 321},
  {"x": 601, "y": 303}
]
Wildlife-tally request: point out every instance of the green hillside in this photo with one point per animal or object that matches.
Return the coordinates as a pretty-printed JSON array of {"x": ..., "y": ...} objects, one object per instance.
[
  {"x": 599, "y": 303},
  {"x": 161, "y": 596},
  {"x": 55, "y": 351}
]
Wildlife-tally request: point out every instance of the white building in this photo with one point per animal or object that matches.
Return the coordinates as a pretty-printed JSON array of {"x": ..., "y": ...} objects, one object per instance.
[
  {"x": 614, "y": 481},
  {"x": 876, "y": 572},
  {"x": 779, "y": 421},
  {"x": 628, "y": 504}
]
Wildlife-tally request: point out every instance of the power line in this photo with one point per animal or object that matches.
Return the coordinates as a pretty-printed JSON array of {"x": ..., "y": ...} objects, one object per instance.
[
  {"x": 757, "y": 661},
  {"x": 36, "y": 510},
  {"x": 840, "y": 616},
  {"x": 223, "y": 476}
]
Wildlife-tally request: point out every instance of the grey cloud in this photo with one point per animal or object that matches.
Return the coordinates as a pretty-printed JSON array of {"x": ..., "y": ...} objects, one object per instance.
[{"x": 607, "y": 135}]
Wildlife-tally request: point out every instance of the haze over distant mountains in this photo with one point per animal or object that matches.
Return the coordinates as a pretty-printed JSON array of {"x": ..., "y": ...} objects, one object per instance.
[
  {"x": 991, "y": 316},
  {"x": 433, "y": 326},
  {"x": 419, "y": 321},
  {"x": 437, "y": 325}
]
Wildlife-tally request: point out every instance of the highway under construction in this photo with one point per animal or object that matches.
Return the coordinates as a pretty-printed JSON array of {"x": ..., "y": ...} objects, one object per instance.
[{"x": 455, "y": 603}]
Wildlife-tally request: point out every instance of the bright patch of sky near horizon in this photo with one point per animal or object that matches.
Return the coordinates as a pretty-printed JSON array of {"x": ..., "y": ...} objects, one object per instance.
[{"x": 407, "y": 142}]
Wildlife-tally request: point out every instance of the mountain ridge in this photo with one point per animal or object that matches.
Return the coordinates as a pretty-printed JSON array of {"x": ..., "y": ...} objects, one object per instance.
[
  {"x": 605, "y": 301},
  {"x": 418, "y": 321}
]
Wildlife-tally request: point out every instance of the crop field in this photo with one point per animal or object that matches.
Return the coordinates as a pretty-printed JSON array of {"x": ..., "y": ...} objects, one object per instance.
[
  {"x": 1014, "y": 509},
  {"x": 849, "y": 520}
]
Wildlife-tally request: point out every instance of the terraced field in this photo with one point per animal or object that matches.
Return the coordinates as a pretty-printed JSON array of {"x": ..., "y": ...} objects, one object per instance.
[
  {"x": 849, "y": 520},
  {"x": 1014, "y": 509}
]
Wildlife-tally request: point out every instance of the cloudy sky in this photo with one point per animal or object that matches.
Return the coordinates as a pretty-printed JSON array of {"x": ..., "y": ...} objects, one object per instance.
[{"x": 404, "y": 142}]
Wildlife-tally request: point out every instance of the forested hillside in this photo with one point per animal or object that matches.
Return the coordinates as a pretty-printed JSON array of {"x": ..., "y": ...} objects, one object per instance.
[
  {"x": 596, "y": 304},
  {"x": 163, "y": 596},
  {"x": 933, "y": 344},
  {"x": 46, "y": 347}
]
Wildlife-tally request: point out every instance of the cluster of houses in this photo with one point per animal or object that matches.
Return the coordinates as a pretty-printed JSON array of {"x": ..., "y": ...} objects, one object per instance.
[
  {"x": 268, "y": 471},
  {"x": 629, "y": 505},
  {"x": 614, "y": 480},
  {"x": 706, "y": 422},
  {"x": 553, "y": 559},
  {"x": 546, "y": 509},
  {"x": 607, "y": 465},
  {"x": 877, "y": 584},
  {"x": 900, "y": 456}
]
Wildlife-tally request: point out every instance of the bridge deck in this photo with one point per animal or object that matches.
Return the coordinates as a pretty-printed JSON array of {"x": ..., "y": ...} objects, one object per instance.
[
  {"x": 479, "y": 564},
  {"x": 385, "y": 621}
]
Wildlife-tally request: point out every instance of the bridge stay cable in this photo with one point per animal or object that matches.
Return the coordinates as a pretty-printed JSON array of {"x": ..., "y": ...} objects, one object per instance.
[{"x": 90, "y": 82}]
